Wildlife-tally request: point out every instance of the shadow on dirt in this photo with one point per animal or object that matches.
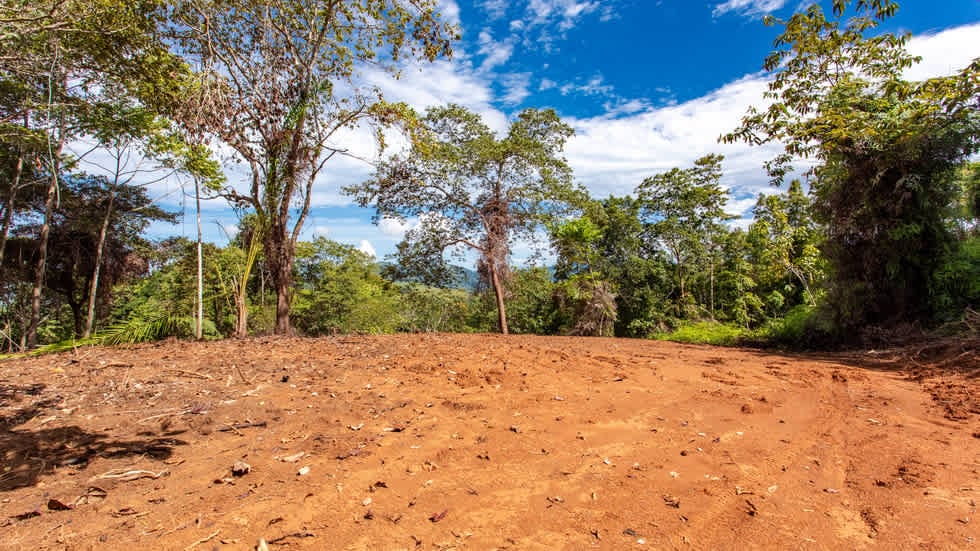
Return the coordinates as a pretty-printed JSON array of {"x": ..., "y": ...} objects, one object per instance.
[{"x": 27, "y": 454}]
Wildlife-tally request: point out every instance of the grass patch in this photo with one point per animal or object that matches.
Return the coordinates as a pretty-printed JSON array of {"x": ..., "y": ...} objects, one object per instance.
[{"x": 706, "y": 332}]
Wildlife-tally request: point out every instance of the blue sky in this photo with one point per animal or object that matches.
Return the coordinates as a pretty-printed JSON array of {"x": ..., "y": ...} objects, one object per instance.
[{"x": 647, "y": 85}]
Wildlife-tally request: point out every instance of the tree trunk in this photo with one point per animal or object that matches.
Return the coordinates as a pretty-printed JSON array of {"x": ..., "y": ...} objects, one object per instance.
[
  {"x": 680, "y": 279},
  {"x": 712, "y": 285},
  {"x": 279, "y": 255},
  {"x": 199, "y": 322},
  {"x": 54, "y": 164},
  {"x": 42, "y": 259},
  {"x": 283, "y": 288},
  {"x": 99, "y": 251},
  {"x": 499, "y": 293},
  {"x": 76, "y": 314},
  {"x": 8, "y": 212},
  {"x": 241, "y": 316}
]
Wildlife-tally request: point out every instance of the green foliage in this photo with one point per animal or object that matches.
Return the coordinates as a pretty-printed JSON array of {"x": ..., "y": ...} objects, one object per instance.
[
  {"x": 341, "y": 292},
  {"x": 153, "y": 329},
  {"x": 169, "y": 291},
  {"x": 956, "y": 283},
  {"x": 585, "y": 296},
  {"x": 886, "y": 150},
  {"x": 737, "y": 287},
  {"x": 432, "y": 309},
  {"x": 683, "y": 214},
  {"x": 134, "y": 331},
  {"x": 706, "y": 332},
  {"x": 783, "y": 243},
  {"x": 531, "y": 304},
  {"x": 471, "y": 189}
]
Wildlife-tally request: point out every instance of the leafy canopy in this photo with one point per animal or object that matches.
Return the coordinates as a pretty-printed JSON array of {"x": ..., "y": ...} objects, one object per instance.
[{"x": 885, "y": 151}]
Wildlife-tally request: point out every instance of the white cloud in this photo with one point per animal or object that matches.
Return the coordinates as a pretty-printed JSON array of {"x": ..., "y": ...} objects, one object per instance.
[
  {"x": 546, "y": 21},
  {"x": 627, "y": 107},
  {"x": 394, "y": 227},
  {"x": 516, "y": 87},
  {"x": 595, "y": 86},
  {"x": 563, "y": 12},
  {"x": 495, "y": 53},
  {"x": 612, "y": 153},
  {"x": 495, "y": 9},
  {"x": 944, "y": 53},
  {"x": 741, "y": 207},
  {"x": 368, "y": 249},
  {"x": 449, "y": 10},
  {"x": 440, "y": 83},
  {"x": 748, "y": 7}
]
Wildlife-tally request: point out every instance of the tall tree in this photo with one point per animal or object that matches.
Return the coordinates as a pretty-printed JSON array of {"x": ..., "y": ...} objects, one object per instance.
[
  {"x": 683, "y": 210},
  {"x": 473, "y": 189},
  {"x": 578, "y": 243},
  {"x": 784, "y": 239},
  {"x": 884, "y": 149},
  {"x": 277, "y": 83},
  {"x": 79, "y": 228},
  {"x": 134, "y": 146},
  {"x": 637, "y": 269},
  {"x": 59, "y": 55}
]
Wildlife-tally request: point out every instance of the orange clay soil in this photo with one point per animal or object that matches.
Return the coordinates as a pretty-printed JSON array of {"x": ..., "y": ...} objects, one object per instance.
[{"x": 487, "y": 442}]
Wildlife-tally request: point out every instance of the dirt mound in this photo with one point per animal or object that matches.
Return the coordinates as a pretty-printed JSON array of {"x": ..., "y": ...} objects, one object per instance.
[{"x": 483, "y": 442}]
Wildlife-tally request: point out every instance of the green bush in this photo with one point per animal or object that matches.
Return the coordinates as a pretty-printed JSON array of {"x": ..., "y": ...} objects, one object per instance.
[{"x": 706, "y": 332}]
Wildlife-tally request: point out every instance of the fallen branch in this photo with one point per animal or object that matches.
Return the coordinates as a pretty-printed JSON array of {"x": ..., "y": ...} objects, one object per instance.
[
  {"x": 242, "y": 375},
  {"x": 185, "y": 373},
  {"x": 236, "y": 426},
  {"x": 205, "y": 539},
  {"x": 293, "y": 535},
  {"x": 129, "y": 476}
]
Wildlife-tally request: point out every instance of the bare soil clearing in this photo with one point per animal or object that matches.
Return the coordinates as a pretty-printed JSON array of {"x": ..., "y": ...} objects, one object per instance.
[{"x": 483, "y": 442}]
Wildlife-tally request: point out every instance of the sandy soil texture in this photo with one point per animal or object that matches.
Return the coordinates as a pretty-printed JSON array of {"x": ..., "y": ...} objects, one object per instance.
[{"x": 488, "y": 442}]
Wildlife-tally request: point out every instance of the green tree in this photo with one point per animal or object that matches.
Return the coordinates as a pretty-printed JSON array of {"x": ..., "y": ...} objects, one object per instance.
[
  {"x": 633, "y": 269},
  {"x": 473, "y": 189},
  {"x": 340, "y": 291},
  {"x": 533, "y": 306},
  {"x": 683, "y": 212},
  {"x": 161, "y": 303},
  {"x": 78, "y": 230},
  {"x": 433, "y": 309},
  {"x": 134, "y": 142},
  {"x": 276, "y": 83},
  {"x": 884, "y": 149},
  {"x": 785, "y": 240},
  {"x": 58, "y": 57},
  {"x": 585, "y": 287}
]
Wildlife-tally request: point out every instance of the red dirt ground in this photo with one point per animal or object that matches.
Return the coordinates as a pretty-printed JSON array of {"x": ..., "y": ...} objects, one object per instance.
[{"x": 484, "y": 442}]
